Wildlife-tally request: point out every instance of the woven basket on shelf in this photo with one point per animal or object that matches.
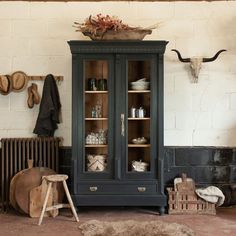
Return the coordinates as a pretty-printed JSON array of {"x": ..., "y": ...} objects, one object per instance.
[{"x": 96, "y": 163}]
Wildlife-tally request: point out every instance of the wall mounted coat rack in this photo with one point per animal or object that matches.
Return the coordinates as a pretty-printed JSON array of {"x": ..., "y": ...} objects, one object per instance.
[
  {"x": 58, "y": 78},
  {"x": 18, "y": 81}
]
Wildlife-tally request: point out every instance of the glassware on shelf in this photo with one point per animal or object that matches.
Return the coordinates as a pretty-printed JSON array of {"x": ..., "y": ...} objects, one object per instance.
[
  {"x": 102, "y": 139},
  {"x": 98, "y": 108},
  {"x": 92, "y": 84},
  {"x": 93, "y": 113},
  {"x": 94, "y": 138},
  {"x": 97, "y": 111},
  {"x": 102, "y": 85}
]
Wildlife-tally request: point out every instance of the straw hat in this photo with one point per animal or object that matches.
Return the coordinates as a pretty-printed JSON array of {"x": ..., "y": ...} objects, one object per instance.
[
  {"x": 5, "y": 84},
  {"x": 19, "y": 81}
]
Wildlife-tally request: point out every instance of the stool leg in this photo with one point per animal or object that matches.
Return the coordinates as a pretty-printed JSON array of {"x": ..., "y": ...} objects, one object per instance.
[
  {"x": 45, "y": 203},
  {"x": 54, "y": 213},
  {"x": 70, "y": 201}
]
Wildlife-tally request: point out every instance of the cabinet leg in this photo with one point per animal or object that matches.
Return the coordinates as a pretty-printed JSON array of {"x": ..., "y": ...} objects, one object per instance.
[{"x": 162, "y": 210}]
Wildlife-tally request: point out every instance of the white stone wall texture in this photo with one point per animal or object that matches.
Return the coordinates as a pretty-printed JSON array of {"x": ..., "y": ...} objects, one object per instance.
[{"x": 34, "y": 35}]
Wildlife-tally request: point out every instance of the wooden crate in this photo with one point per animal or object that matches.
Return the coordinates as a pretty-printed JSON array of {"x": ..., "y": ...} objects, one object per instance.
[{"x": 188, "y": 202}]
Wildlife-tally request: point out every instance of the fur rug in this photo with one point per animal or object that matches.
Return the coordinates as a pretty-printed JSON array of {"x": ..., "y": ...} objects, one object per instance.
[{"x": 134, "y": 228}]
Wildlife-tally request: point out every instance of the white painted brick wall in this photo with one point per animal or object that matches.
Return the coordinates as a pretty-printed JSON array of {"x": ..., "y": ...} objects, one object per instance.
[
  {"x": 34, "y": 37},
  {"x": 214, "y": 137},
  {"x": 32, "y": 65},
  {"x": 170, "y": 120},
  {"x": 153, "y": 11},
  {"x": 5, "y": 28},
  {"x": 47, "y": 10},
  {"x": 178, "y": 137},
  {"x": 4, "y": 105},
  {"x": 5, "y": 64},
  {"x": 13, "y": 10},
  {"x": 33, "y": 28}
]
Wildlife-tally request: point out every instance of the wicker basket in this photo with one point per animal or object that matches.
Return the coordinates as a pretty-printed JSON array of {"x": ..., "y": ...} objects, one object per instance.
[
  {"x": 187, "y": 202},
  {"x": 96, "y": 163}
]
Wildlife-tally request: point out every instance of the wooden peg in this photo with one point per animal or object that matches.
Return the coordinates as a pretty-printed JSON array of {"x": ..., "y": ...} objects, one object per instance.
[{"x": 39, "y": 77}]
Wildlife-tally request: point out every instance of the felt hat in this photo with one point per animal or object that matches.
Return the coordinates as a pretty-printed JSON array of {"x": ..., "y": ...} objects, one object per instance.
[
  {"x": 5, "y": 84},
  {"x": 19, "y": 81}
]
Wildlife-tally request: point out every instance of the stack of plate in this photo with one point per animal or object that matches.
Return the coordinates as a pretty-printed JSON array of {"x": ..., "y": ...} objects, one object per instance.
[{"x": 141, "y": 84}]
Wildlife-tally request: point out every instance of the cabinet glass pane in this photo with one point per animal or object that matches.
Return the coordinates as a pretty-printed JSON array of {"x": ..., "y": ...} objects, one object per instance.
[
  {"x": 96, "y": 116},
  {"x": 138, "y": 158}
]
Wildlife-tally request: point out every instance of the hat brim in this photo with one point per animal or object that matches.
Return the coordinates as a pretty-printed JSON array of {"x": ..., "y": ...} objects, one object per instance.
[
  {"x": 19, "y": 81},
  {"x": 5, "y": 84}
]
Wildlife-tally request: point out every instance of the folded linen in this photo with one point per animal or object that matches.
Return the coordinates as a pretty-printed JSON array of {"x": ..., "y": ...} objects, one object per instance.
[{"x": 211, "y": 194}]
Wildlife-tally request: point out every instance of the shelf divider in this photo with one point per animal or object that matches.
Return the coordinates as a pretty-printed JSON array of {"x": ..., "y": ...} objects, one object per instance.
[
  {"x": 145, "y": 118},
  {"x": 88, "y": 118},
  {"x": 87, "y": 91},
  {"x": 139, "y": 91},
  {"x": 96, "y": 145},
  {"x": 139, "y": 145}
]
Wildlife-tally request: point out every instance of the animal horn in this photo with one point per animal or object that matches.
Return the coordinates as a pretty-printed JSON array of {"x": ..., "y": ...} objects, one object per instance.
[
  {"x": 180, "y": 57},
  {"x": 213, "y": 58}
]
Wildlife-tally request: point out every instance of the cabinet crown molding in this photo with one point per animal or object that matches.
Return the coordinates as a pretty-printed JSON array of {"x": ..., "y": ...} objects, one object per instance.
[{"x": 78, "y": 46}]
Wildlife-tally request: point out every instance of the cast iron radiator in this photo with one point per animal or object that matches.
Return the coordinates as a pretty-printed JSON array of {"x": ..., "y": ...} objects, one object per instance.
[{"x": 14, "y": 155}]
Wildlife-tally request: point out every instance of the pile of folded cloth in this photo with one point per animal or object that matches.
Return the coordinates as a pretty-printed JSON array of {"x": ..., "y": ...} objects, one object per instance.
[{"x": 211, "y": 194}]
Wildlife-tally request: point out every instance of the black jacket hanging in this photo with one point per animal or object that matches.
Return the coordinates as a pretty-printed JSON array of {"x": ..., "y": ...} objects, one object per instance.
[{"x": 50, "y": 108}]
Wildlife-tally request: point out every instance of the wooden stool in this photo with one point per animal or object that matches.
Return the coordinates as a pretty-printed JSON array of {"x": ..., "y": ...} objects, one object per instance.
[{"x": 53, "y": 179}]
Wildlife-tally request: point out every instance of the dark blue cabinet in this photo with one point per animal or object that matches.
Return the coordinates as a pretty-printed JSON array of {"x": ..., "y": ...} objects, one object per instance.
[{"x": 117, "y": 123}]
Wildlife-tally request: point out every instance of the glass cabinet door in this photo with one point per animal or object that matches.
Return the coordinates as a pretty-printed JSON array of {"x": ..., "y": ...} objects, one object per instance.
[
  {"x": 97, "y": 81},
  {"x": 139, "y": 138}
]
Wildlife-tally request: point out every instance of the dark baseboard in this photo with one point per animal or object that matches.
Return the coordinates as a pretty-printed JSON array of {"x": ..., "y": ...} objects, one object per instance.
[{"x": 206, "y": 165}]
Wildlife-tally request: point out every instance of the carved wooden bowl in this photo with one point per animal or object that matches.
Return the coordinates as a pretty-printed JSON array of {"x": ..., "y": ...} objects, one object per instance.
[{"x": 132, "y": 34}]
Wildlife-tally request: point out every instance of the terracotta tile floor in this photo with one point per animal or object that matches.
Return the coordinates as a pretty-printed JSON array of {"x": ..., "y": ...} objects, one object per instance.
[{"x": 224, "y": 223}]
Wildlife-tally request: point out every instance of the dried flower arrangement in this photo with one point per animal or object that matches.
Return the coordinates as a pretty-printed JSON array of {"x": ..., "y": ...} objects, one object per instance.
[{"x": 107, "y": 27}]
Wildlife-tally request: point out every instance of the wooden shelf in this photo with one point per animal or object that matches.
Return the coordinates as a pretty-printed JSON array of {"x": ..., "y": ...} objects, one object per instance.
[
  {"x": 96, "y": 118},
  {"x": 96, "y": 145},
  {"x": 145, "y": 118},
  {"x": 139, "y": 145},
  {"x": 139, "y": 91},
  {"x": 96, "y": 92}
]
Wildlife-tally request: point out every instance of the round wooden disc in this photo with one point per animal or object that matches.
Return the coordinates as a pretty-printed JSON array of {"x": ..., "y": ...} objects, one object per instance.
[
  {"x": 28, "y": 180},
  {"x": 12, "y": 196}
]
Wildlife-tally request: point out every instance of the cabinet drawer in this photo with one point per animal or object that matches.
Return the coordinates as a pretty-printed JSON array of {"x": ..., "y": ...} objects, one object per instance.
[{"x": 117, "y": 189}]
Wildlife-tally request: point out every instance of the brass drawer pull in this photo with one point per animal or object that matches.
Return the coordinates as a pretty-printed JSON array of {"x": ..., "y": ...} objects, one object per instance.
[
  {"x": 93, "y": 189},
  {"x": 141, "y": 189}
]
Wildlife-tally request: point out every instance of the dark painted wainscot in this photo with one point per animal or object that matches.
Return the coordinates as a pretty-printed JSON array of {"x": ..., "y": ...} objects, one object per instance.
[{"x": 206, "y": 165}]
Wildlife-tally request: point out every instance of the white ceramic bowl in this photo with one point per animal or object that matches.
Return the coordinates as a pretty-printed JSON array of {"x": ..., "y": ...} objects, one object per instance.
[
  {"x": 142, "y": 86},
  {"x": 140, "y": 82}
]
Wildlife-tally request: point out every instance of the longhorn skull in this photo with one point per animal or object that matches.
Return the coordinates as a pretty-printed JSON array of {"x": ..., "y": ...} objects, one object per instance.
[{"x": 196, "y": 62}]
